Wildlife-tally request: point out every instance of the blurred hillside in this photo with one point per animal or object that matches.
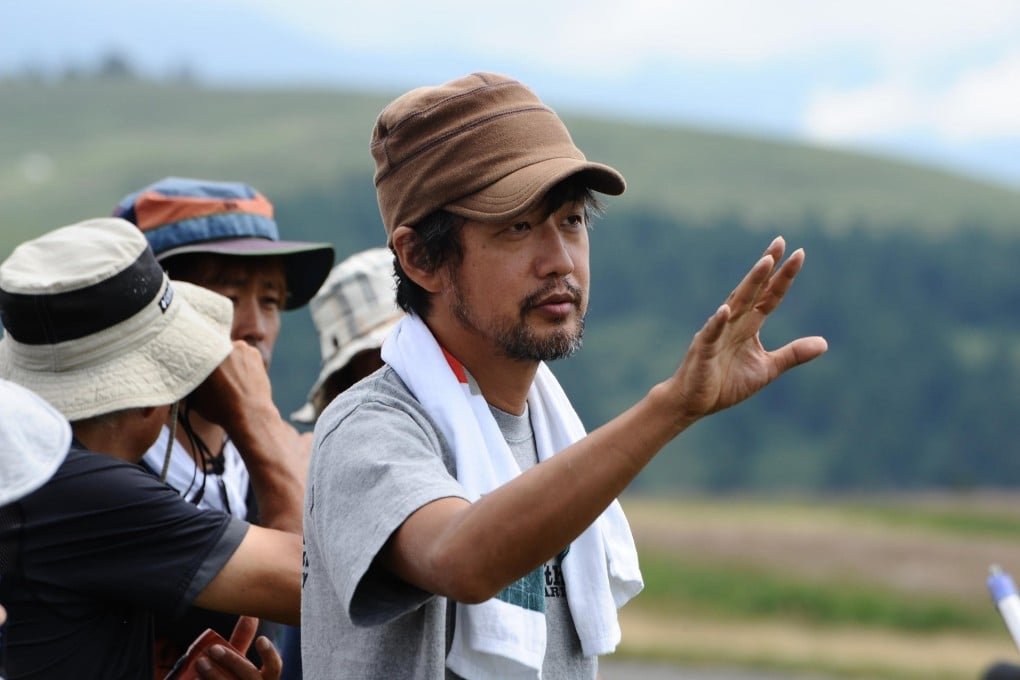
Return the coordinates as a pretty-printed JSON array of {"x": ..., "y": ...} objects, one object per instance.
[{"x": 910, "y": 271}]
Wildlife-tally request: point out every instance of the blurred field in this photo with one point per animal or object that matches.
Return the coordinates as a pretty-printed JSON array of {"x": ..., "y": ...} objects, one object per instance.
[{"x": 890, "y": 587}]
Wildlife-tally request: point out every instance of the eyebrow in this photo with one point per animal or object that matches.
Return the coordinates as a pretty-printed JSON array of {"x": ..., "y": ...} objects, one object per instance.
[{"x": 240, "y": 276}]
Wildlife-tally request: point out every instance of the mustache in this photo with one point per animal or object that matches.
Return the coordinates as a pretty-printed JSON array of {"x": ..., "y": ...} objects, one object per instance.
[{"x": 575, "y": 292}]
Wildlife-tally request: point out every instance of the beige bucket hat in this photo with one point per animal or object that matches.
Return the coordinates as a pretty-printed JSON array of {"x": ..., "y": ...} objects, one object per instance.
[{"x": 93, "y": 324}]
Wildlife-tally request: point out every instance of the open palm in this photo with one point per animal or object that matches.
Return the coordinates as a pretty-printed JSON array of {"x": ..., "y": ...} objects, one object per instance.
[{"x": 726, "y": 362}]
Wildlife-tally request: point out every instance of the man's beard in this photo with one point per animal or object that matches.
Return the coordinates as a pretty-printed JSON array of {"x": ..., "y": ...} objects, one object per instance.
[{"x": 517, "y": 340}]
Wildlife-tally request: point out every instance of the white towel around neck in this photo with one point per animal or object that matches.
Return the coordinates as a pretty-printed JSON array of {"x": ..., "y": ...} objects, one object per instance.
[{"x": 497, "y": 639}]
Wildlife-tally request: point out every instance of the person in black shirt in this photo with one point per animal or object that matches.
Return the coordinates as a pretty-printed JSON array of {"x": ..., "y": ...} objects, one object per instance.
[{"x": 94, "y": 326}]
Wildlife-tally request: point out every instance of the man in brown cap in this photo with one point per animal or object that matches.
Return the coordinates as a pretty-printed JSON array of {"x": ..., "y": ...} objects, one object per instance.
[{"x": 459, "y": 521}]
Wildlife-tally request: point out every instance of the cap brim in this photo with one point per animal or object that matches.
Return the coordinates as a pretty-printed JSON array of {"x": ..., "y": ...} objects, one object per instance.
[
  {"x": 520, "y": 191},
  {"x": 306, "y": 264}
]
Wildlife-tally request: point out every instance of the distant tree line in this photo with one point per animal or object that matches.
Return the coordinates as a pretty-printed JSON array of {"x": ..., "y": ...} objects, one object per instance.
[{"x": 112, "y": 65}]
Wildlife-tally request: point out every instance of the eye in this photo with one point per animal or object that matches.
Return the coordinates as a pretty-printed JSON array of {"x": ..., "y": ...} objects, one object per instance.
[
  {"x": 575, "y": 221},
  {"x": 520, "y": 226}
]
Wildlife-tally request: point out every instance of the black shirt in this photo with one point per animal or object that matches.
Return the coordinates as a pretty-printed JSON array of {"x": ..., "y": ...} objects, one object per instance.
[{"x": 101, "y": 547}]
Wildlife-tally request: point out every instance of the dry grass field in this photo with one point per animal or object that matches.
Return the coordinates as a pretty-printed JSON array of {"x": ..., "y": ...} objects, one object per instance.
[{"x": 861, "y": 588}]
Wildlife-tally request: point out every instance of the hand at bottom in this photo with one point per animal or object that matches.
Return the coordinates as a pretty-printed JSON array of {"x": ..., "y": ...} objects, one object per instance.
[{"x": 230, "y": 663}]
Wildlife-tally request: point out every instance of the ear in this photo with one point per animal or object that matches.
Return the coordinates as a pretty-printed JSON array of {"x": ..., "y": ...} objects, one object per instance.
[
  {"x": 147, "y": 411},
  {"x": 405, "y": 246}
]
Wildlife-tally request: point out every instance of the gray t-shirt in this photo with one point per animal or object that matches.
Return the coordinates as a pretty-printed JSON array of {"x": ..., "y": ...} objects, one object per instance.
[{"x": 377, "y": 458}]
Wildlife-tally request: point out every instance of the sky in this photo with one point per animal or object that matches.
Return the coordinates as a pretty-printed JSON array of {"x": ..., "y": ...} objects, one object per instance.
[{"x": 934, "y": 82}]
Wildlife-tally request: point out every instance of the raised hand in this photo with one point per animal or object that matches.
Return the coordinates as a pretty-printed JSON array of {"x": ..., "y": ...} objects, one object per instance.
[
  {"x": 726, "y": 362},
  {"x": 237, "y": 396},
  {"x": 230, "y": 663},
  {"x": 237, "y": 391}
]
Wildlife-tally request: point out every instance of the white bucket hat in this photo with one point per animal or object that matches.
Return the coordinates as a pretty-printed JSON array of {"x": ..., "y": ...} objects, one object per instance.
[
  {"x": 93, "y": 325},
  {"x": 354, "y": 310},
  {"x": 34, "y": 438}
]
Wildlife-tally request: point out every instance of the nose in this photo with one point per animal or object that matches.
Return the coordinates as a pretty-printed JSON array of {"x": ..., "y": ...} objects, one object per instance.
[
  {"x": 250, "y": 322},
  {"x": 557, "y": 251}
]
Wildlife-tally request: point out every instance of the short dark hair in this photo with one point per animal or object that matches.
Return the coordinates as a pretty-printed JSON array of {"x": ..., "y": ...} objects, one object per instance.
[
  {"x": 203, "y": 269},
  {"x": 437, "y": 240},
  {"x": 436, "y": 243}
]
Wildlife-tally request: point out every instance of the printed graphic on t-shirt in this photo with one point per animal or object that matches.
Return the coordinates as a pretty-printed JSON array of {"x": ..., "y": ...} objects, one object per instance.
[
  {"x": 304, "y": 553},
  {"x": 525, "y": 592},
  {"x": 304, "y": 565},
  {"x": 554, "y": 584}
]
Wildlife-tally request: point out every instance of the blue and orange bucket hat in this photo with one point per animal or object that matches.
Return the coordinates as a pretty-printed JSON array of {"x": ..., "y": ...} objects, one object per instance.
[{"x": 181, "y": 216}]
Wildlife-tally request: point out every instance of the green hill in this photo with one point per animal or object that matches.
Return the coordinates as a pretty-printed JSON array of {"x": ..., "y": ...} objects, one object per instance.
[
  {"x": 910, "y": 271},
  {"x": 72, "y": 149}
]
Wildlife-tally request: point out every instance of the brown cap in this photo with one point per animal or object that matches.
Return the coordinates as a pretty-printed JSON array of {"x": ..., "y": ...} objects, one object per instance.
[{"x": 483, "y": 147}]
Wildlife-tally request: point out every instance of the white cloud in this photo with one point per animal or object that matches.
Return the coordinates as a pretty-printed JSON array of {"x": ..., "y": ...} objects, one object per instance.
[
  {"x": 977, "y": 105},
  {"x": 983, "y": 104},
  {"x": 864, "y": 113},
  {"x": 892, "y": 72},
  {"x": 591, "y": 36}
]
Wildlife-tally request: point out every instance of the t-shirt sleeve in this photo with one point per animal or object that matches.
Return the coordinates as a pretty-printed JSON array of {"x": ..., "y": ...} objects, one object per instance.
[
  {"x": 371, "y": 469},
  {"x": 112, "y": 529}
]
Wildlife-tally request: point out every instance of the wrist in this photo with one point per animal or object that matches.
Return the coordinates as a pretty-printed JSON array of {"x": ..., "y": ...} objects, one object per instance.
[
  {"x": 254, "y": 426},
  {"x": 673, "y": 408}
]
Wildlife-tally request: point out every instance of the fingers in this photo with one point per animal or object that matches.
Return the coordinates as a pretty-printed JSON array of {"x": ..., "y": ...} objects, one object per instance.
[
  {"x": 726, "y": 362},
  {"x": 228, "y": 664},
  {"x": 713, "y": 328},
  {"x": 237, "y": 387},
  {"x": 780, "y": 283},
  {"x": 762, "y": 289},
  {"x": 272, "y": 663},
  {"x": 244, "y": 633},
  {"x": 798, "y": 352},
  {"x": 225, "y": 664},
  {"x": 776, "y": 248},
  {"x": 747, "y": 291}
]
